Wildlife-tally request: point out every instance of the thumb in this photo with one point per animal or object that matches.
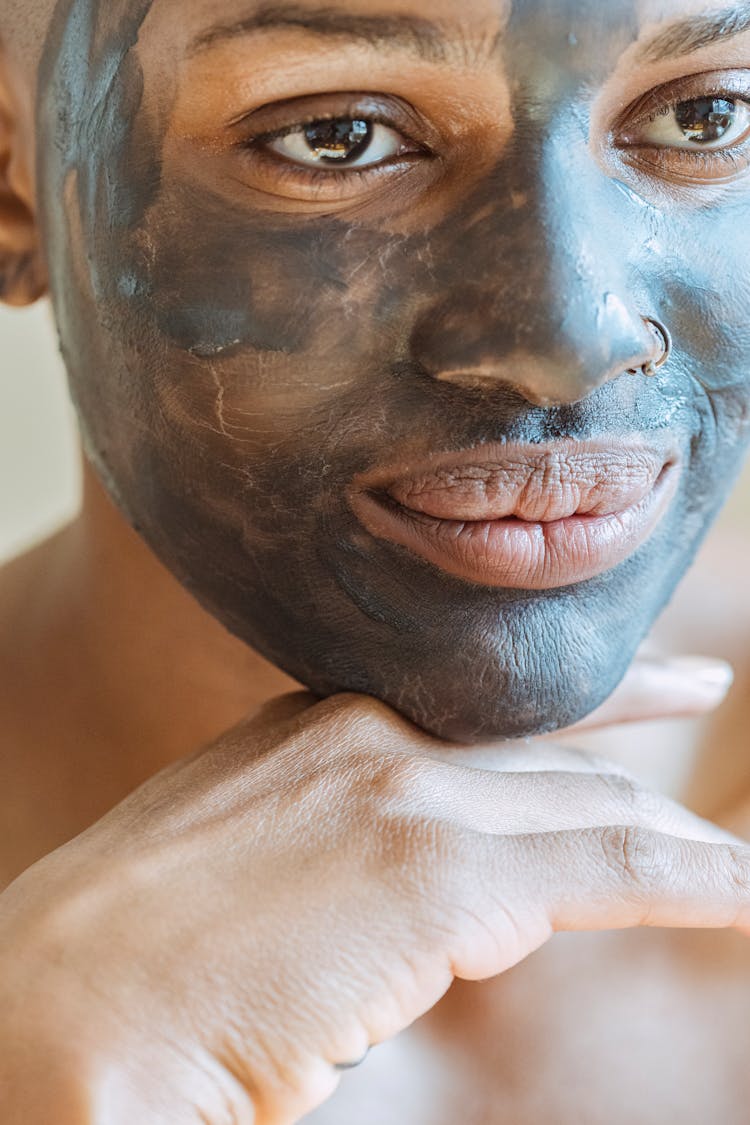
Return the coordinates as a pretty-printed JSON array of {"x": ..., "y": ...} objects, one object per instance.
[{"x": 683, "y": 687}]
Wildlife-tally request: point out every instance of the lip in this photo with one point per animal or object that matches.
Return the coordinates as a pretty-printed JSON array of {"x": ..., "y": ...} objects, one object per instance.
[{"x": 490, "y": 515}]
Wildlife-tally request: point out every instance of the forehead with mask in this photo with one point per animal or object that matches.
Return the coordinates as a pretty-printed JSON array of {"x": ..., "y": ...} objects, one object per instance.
[{"x": 350, "y": 294}]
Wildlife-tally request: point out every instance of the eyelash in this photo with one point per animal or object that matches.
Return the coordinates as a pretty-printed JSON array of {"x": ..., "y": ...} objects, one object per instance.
[
  {"x": 662, "y": 101},
  {"x": 287, "y": 171},
  {"x": 691, "y": 159},
  {"x": 662, "y": 158}
]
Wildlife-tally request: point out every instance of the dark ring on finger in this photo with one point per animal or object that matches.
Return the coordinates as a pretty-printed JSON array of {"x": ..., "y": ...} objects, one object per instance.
[{"x": 351, "y": 1065}]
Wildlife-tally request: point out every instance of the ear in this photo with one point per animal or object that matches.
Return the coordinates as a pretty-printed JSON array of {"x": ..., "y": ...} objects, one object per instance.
[{"x": 22, "y": 272}]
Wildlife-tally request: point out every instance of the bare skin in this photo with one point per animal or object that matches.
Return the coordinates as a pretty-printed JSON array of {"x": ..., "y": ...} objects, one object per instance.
[
  {"x": 315, "y": 879},
  {"x": 460, "y": 1037},
  {"x": 112, "y": 718},
  {"x": 117, "y": 710}
]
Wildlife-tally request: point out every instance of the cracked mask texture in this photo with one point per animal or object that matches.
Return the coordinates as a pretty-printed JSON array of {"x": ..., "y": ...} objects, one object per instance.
[{"x": 235, "y": 368}]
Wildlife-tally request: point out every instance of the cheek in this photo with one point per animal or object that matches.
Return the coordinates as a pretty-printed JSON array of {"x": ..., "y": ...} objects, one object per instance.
[
  {"x": 245, "y": 344},
  {"x": 225, "y": 279},
  {"x": 266, "y": 335},
  {"x": 705, "y": 272},
  {"x": 701, "y": 284}
]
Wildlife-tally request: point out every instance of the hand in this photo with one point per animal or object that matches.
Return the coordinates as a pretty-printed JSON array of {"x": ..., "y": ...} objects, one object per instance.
[
  {"x": 306, "y": 887},
  {"x": 684, "y": 687}
]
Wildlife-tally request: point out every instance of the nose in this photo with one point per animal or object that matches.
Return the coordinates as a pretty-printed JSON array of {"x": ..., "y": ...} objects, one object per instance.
[{"x": 534, "y": 293}]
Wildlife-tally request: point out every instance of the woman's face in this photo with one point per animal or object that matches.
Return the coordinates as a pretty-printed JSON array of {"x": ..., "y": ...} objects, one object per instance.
[{"x": 307, "y": 257}]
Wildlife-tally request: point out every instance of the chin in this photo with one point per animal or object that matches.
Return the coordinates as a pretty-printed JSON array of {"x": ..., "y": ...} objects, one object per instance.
[
  {"x": 464, "y": 662},
  {"x": 527, "y": 711},
  {"x": 501, "y": 706},
  {"x": 536, "y": 671},
  {"x": 471, "y": 666}
]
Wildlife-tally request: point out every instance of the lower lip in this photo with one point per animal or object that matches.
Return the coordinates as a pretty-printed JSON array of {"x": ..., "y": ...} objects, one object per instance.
[{"x": 515, "y": 554}]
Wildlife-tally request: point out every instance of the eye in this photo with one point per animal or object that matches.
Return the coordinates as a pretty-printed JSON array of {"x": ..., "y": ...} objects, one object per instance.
[
  {"x": 339, "y": 148},
  {"x": 339, "y": 143},
  {"x": 695, "y": 131},
  {"x": 699, "y": 123}
]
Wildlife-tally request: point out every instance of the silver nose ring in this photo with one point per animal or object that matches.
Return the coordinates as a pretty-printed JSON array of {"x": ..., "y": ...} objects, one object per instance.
[{"x": 664, "y": 337}]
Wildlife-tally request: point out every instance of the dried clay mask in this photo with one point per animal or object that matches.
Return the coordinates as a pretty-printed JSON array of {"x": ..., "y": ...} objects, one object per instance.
[{"x": 349, "y": 293}]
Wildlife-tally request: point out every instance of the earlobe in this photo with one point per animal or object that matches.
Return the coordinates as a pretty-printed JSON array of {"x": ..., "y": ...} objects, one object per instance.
[{"x": 23, "y": 277}]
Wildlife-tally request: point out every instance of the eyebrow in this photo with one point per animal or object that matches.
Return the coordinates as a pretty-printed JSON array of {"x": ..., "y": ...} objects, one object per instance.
[
  {"x": 425, "y": 39},
  {"x": 693, "y": 34},
  {"x": 418, "y": 36}
]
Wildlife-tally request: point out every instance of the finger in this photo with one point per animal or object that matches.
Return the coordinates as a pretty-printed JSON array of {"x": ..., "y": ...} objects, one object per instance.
[
  {"x": 625, "y": 876},
  {"x": 354, "y": 1064},
  {"x": 511, "y": 803},
  {"x": 612, "y": 878},
  {"x": 535, "y": 756},
  {"x": 684, "y": 687}
]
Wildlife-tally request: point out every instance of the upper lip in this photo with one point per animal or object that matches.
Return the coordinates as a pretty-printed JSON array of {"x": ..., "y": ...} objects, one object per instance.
[{"x": 538, "y": 483}]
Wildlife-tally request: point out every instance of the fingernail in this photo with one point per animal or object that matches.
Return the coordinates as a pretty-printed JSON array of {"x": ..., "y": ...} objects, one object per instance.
[{"x": 712, "y": 673}]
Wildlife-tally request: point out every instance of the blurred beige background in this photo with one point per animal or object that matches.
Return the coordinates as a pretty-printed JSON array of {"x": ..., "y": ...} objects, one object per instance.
[{"x": 39, "y": 471}]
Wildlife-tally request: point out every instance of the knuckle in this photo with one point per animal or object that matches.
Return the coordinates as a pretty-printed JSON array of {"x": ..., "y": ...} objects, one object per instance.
[
  {"x": 362, "y": 710},
  {"x": 623, "y": 789},
  {"x": 739, "y": 870},
  {"x": 347, "y": 703},
  {"x": 340, "y": 721},
  {"x": 384, "y": 784},
  {"x": 639, "y": 804},
  {"x": 633, "y": 855},
  {"x": 634, "y": 802},
  {"x": 360, "y": 724},
  {"x": 400, "y": 783}
]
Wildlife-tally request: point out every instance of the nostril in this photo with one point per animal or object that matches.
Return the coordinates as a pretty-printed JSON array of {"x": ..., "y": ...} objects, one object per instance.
[
  {"x": 476, "y": 340},
  {"x": 535, "y": 381}
]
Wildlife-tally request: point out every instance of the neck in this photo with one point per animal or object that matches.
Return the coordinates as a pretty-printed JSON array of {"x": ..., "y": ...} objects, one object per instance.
[
  {"x": 109, "y": 670},
  {"x": 182, "y": 676}
]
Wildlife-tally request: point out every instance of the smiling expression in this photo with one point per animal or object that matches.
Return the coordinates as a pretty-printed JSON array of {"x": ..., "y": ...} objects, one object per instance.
[{"x": 250, "y": 329}]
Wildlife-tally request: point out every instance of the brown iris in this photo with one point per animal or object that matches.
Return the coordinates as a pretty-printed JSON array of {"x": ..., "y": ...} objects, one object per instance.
[
  {"x": 705, "y": 119},
  {"x": 338, "y": 142}
]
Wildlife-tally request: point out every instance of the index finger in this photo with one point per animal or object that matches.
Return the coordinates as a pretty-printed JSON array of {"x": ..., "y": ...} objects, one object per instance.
[{"x": 684, "y": 687}]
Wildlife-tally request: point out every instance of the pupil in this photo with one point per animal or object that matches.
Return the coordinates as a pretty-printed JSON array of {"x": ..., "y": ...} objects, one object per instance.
[
  {"x": 338, "y": 142},
  {"x": 706, "y": 119}
]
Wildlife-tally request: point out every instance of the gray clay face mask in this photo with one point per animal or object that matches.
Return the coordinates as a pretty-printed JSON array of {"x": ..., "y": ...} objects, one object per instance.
[{"x": 250, "y": 339}]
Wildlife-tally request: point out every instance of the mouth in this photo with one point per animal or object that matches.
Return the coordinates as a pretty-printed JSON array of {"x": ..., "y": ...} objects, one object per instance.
[{"x": 522, "y": 516}]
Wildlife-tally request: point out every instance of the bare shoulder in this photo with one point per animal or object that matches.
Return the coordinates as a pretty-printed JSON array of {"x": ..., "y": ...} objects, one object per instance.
[{"x": 31, "y": 627}]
